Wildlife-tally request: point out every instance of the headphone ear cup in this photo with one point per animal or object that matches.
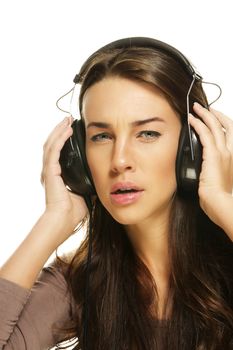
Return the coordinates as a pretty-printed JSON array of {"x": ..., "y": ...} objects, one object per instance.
[
  {"x": 188, "y": 170},
  {"x": 74, "y": 168}
]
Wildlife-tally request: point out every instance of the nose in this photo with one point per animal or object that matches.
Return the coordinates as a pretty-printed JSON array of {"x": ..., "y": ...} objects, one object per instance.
[{"x": 122, "y": 158}]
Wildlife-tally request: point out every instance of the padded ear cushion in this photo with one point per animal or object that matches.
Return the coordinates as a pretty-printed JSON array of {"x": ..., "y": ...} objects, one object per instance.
[
  {"x": 74, "y": 168},
  {"x": 188, "y": 170}
]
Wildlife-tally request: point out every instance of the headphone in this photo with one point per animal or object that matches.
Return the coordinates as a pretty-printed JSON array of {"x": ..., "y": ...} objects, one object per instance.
[{"x": 74, "y": 168}]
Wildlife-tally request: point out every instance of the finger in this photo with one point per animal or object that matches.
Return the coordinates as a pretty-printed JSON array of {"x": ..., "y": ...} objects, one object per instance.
[
  {"x": 214, "y": 126},
  {"x": 52, "y": 150},
  {"x": 56, "y": 134},
  {"x": 52, "y": 153},
  {"x": 227, "y": 123},
  {"x": 205, "y": 135},
  {"x": 59, "y": 128}
]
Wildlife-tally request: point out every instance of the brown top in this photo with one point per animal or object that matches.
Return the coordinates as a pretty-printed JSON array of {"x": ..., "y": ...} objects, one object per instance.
[{"x": 27, "y": 317}]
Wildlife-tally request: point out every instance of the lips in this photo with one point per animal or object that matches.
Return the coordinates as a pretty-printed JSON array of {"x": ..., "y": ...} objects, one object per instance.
[
  {"x": 125, "y": 193},
  {"x": 122, "y": 187}
]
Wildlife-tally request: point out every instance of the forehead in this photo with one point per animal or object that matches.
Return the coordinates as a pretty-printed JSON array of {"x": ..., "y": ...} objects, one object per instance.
[{"x": 117, "y": 98}]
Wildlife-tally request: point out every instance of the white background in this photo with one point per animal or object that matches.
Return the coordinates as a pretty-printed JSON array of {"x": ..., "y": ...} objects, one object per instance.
[{"x": 43, "y": 44}]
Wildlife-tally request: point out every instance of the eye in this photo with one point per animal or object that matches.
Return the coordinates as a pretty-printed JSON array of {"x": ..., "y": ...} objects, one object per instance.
[
  {"x": 149, "y": 134},
  {"x": 101, "y": 137}
]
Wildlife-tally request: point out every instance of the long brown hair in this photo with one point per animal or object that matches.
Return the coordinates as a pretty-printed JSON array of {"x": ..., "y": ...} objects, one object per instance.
[{"x": 122, "y": 288}]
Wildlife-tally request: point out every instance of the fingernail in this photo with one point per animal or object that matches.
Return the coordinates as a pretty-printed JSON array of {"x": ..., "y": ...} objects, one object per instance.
[{"x": 196, "y": 104}]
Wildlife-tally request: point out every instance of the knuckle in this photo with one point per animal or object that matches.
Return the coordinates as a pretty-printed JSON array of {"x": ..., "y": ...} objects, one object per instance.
[
  {"x": 227, "y": 155},
  {"x": 45, "y": 145},
  {"x": 44, "y": 170},
  {"x": 216, "y": 154},
  {"x": 42, "y": 177}
]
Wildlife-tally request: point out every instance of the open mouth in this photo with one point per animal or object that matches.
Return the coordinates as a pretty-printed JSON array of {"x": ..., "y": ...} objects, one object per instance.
[
  {"x": 126, "y": 196},
  {"x": 125, "y": 190}
]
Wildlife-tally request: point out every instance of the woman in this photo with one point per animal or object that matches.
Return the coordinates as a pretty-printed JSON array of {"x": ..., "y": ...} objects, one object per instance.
[{"x": 160, "y": 274}]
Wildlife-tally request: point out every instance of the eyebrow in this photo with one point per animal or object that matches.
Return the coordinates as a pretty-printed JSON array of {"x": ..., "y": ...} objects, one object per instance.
[{"x": 134, "y": 123}]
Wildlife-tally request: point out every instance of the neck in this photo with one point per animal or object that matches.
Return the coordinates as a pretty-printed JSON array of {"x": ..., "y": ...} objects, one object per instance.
[{"x": 150, "y": 242}]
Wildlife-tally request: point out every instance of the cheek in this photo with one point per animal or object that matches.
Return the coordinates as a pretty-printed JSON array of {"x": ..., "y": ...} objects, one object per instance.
[
  {"x": 163, "y": 169},
  {"x": 164, "y": 164},
  {"x": 97, "y": 166},
  {"x": 99, "y": 174}
]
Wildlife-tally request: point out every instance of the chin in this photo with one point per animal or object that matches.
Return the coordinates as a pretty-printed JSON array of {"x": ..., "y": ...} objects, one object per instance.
[
  {"x": 136, "y": 213},
  {"x": 126, "y": 221},
  {"x": 126, "y": 216}
]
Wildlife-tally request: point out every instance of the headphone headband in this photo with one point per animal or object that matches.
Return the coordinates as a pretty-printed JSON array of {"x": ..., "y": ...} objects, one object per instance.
[{"x": 149, "y": 43}]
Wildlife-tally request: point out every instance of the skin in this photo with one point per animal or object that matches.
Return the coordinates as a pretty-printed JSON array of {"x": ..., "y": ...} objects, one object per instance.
[{"x": 123, "y": 153}]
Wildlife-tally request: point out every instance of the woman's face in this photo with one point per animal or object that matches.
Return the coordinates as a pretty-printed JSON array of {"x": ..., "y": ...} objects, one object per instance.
[{"x": 131, "y": 143}]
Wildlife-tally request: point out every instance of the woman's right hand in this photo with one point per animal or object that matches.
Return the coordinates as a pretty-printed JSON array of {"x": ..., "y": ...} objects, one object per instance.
[{"x": 68, "y": 207}]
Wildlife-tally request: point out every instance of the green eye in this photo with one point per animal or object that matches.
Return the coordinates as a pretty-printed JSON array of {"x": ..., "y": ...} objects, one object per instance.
[
  {"x": 145, "y": 134},
  {"x": 100, "y": 137},
  {"x": 149, "y": 134}
]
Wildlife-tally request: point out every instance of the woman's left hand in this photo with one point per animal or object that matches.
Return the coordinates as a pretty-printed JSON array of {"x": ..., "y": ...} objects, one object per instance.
[{"x": 216, "y": 178}]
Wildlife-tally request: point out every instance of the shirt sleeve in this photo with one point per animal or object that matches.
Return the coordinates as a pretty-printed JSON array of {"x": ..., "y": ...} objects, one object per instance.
[{"x": 31, "y": 319}]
